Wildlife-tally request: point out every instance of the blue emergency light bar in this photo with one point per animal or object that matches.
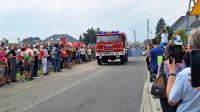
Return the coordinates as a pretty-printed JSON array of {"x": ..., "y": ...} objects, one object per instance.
[
  {"x": 115, "y": 31},
  {"x": 104, "y": 32}
]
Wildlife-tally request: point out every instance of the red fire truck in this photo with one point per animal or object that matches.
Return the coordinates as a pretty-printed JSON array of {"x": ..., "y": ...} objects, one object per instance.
[{"x": 111, "y": 46}]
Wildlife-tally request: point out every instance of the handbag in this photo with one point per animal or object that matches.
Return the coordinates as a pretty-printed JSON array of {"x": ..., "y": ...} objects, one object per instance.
[{"x": 158, "y": 88}]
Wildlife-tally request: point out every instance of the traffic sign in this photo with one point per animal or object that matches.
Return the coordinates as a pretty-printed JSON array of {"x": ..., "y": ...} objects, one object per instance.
[{"x": 196, "y": 9}]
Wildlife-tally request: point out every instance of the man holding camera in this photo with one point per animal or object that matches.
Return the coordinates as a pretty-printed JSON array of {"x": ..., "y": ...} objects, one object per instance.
[{"x": 179, "y": 89}]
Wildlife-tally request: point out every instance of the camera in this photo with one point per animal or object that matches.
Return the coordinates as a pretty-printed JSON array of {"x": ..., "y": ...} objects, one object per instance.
[
  {"x": 176, "y": 52},
  {"x": 195, "y": 68}
]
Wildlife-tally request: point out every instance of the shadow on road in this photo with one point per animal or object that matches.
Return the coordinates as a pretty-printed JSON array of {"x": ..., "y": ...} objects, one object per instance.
[{"x": 118, "y": 63}]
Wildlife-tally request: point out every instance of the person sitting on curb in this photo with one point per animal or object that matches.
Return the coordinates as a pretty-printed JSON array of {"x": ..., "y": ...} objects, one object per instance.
[{"x": 179, "y": 90}]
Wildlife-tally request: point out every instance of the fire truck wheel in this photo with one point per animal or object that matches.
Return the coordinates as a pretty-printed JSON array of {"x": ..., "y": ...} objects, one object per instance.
[
  {"x": 99, "y": 62},
  {"x": 105, "y": 60},
  {"x": 122, "y": 58},
  {"x": 126, "y": 58}
]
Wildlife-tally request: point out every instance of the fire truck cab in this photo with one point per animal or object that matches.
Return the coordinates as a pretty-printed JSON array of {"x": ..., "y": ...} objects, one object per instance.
[{"x": 111, "y": 46}]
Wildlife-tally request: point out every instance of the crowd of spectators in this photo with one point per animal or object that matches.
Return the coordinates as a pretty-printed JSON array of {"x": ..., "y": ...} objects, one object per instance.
[
  {"x": 180, "y": 96},
  {"x": 25, "y": 61}
]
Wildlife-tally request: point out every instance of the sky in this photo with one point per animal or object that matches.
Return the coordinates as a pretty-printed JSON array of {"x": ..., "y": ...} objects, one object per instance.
[{"x": 43, "y": 18}]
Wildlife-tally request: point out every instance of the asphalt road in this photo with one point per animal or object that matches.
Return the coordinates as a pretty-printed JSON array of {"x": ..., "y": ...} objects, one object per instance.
[{"x": 84, "y": 88}]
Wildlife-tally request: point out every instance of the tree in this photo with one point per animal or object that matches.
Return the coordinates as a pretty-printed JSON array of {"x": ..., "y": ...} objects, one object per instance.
[
  {"x": 80, "y": 38},
  {"x": 5, "y": 41},
  {"x": 160, "y": 25},
  {"x": 170, "y": 32},
  {"x": 90, "y": 36}
]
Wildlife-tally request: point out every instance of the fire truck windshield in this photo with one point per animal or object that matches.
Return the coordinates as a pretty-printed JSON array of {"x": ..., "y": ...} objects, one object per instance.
[{"x": 110, "y": 38}]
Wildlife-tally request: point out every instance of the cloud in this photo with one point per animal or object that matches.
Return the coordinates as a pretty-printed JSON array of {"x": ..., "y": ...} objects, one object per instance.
[{"x": 22, "y": 18}]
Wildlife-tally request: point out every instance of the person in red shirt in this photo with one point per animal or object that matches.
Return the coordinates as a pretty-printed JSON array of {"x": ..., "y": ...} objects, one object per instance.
[
  {"x": 69, "y": 56},
  {"x": 3, "y": 65},
  {"x": 63, "y": 55}
]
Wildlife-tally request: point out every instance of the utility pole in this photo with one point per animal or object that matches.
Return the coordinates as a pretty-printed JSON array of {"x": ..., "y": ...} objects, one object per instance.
[
  {"x": 188, "y": 14},
  {"x": 147, "y": 28},
  {"x": 134, "y": 36}
]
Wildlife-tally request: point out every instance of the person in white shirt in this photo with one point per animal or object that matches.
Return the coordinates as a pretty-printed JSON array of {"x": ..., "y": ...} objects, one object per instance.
[
  {"x": 164, "y": 38},
  {"x": 28, "y": 62},
  {"x": 83, "y": 53},
  {"x": 89, "y": 52},
  {"x": 29, "y": 51},
  {"x": 177, "y": 39},
  {"x": 44, "y": 59},
  {"x": 35, "y": 49}
]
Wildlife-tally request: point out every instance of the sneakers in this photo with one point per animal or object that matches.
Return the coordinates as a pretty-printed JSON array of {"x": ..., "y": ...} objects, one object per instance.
[
  {"x": 152, "y": 78},
  {"x": 3, "y": 85}
]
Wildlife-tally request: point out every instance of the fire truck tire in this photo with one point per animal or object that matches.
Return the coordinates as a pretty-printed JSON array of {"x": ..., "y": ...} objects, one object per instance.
[
  {"x": 99, "y": 62},
  {"x": 126, "y": 58},
  {"x": 105, "y": 60},
  {"x": 122, "y": 58}
]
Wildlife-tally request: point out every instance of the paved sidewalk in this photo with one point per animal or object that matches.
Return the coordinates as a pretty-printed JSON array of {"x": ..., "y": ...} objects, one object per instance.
[{"x": 149, "y": 103}]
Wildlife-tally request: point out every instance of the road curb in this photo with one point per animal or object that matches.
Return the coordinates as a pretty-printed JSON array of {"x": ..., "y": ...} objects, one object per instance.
[{"x": 149, "y": 103}]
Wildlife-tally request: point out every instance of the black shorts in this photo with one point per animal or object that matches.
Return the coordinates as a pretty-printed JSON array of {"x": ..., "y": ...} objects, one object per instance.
[{"x": 27, "y": 66}]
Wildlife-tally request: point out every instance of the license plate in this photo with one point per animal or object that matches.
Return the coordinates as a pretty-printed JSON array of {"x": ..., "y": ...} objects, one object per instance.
[{"x": 107, "y": 53}]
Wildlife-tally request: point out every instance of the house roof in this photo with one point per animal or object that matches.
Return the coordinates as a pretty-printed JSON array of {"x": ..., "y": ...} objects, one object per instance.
[
  {"x": 178, "y": 22},
  {"x": 56, "y": 38},
  {"x": 195, "y": 24},
  {"x": 31, "y": 40}
]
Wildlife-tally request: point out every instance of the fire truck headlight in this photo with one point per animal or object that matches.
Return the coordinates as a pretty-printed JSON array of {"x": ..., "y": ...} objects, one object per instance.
[
  {"x": 120, "y": 53},
  {"x": 98, "y": 54},
  {"x": 115, "y": 53}
]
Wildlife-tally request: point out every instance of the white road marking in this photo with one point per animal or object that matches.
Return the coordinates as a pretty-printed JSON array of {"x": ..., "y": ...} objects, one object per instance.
[{"x": 58, "y": 92}]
